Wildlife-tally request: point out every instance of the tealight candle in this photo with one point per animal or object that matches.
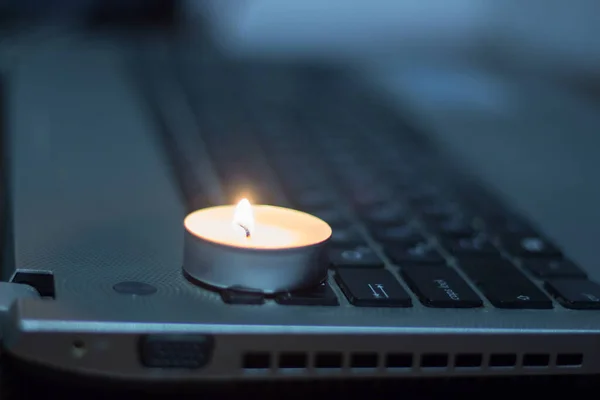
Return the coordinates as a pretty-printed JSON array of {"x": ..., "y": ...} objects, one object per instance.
[{"x": 257, "y": 248}]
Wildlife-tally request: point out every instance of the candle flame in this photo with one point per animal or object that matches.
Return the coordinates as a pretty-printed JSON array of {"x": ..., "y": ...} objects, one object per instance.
[{"x": 243, "y": 218}]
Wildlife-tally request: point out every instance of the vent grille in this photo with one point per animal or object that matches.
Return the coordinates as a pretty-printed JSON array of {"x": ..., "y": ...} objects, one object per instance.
[
  {"x": 364, "y": 360},
  {"x": 397, "y": 362},
  {"x": 503, "y": 360},
  {"x": 569, "y": 360},
  {"x": 470, "y": 360},
  {"x": 329, "y": 360},
  {"x": 436, "y": 360},
  {"x": 256, "y": 361},
  {"x": 536, "y": 360},
  {"x": 293, "y": 361}
]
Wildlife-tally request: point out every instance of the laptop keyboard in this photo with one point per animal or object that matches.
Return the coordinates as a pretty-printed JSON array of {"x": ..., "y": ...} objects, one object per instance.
[{"x": 408, "y": 226}]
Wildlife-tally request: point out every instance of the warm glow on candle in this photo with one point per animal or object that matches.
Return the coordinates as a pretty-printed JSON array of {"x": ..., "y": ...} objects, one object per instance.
[
  {"x": 269, "y": 227},
  {"x": 243, "y": 218}
]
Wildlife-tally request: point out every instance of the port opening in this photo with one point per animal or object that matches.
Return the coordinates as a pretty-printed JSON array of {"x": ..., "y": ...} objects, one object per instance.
[
  {"x": 188, "y": 351},
  {"x": 42, "y": 281}
]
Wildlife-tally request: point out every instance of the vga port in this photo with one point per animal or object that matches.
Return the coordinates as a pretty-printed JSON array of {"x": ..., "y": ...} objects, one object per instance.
[{"x": 176, "y": 351}]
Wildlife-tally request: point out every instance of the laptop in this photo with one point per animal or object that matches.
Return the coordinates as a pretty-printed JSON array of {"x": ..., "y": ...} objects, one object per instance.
[{"x": 110, "y": 143}]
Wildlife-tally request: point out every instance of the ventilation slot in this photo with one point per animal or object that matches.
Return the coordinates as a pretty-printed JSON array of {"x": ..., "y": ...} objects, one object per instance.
[
  {"x": 399, "y": 360},
  {"x": 569, "y": 360},
  {"x": 293, "y": 360},
  {"x": 364, "y": 360},
  {"x": 256, "y": 361},
  {"x": 434, "y": 360},
  {"x": 536, "y": 360},
  {"x": 328, "y": 360},
  {"x": 468, "y": 360},
  {"x": 503, "y": 360}
]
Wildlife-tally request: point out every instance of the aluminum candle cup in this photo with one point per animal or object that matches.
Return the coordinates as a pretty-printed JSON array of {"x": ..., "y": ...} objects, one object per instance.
[{"x": 256, "y": 248}]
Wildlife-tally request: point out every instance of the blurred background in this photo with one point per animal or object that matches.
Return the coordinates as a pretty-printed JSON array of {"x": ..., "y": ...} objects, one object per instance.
[
  {"x": 511, "y": 87},
  {"x": 551, "y": 36}
]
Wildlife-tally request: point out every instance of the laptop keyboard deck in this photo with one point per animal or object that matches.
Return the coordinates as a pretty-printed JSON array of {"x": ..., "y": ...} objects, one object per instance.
[{"x": 408, "y": 224}]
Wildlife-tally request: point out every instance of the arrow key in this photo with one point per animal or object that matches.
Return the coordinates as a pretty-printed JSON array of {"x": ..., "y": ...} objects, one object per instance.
[{"x": 372, "y": 288}]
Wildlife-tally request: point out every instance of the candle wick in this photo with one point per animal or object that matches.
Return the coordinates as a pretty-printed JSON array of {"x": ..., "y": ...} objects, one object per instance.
[{"x": 245, "y": 229}]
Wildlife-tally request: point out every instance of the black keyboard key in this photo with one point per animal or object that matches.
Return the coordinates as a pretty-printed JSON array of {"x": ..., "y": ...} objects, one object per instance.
[
  {"x": 502, "y": 224},
  {"x": 346, "y": 236},
  {"x": 529, "y": 246},
  {"x": 385, "y": 213},
  {"x": 558, "y": 268},
  {"x": 472, "y": 246},
  {"x": 295, "y": 185},
  {"x": 414, "y": 253},
  {"x": 322, "y": 295},
  {"x": 372, "y": 288},
  {"x": 576, "y": 294},
  {"x": 314, "y": 198},
  {"x": 438, "y": 209},
  {"x": 488, "y": 269},
  {"x": 369, "y": 195},
  {"x": 232, "y": 296},
  {"x": 440, "y": 286},
  {"x": 334, "y": 216},
  {"x": 515, "y": 294},
  {"x": 504, "y": 285},
  {"x": 422, "y": 193},
  {"x": 458, "y": 226},
  {"x": 359, "y": 180},
  {"x": 354, "y": 256},
  {"x": 401, "y": 232}
]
